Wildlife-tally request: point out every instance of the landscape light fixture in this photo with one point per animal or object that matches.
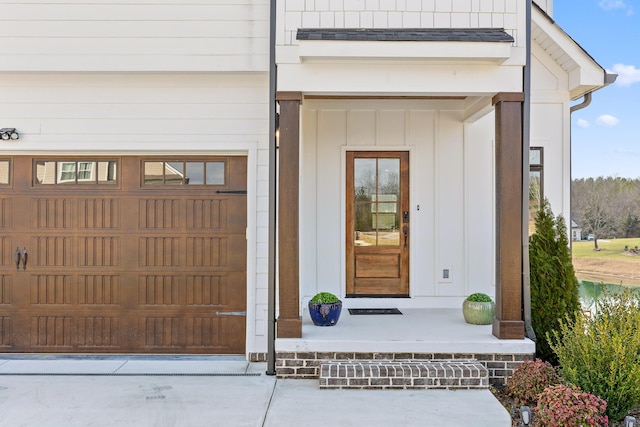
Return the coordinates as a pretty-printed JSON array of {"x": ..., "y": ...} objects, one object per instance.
[
  {"x": 629, "y": 421},
  {"x": 525, "y": 414},
  {"x": 8, "y": 133}
]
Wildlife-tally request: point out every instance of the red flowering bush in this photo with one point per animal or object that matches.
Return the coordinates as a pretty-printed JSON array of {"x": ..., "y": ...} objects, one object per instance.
[
  {"x": 567, "y": 405},
  {"x": 529, "y": 379}
]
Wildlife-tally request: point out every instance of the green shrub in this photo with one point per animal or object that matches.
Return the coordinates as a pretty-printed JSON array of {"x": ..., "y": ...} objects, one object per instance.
[
  {"x": 325, "y": 298},
  {"x": 602, "y": 355},
  {"x": 554, "y": 287},
  {"x": 479, "y": 297},
  {"x": 529, "y": 379},
  {"x": 567, "y": 405}
]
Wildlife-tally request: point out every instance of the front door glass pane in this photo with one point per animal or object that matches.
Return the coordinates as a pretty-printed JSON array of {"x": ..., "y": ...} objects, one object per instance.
[
  {"x": 388, "y": 199},
  {"x": 376, "y": 202},
  {"x": 364, "y": 185}
]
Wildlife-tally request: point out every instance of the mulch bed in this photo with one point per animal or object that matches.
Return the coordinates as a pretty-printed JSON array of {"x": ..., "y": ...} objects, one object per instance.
[{"x": 510, "y": 405}]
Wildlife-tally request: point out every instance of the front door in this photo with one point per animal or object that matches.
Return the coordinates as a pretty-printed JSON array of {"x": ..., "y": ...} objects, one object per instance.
[{"x": 377, "y": 224}]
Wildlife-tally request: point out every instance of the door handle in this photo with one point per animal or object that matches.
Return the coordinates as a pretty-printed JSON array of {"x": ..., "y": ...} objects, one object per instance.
[
  {"x": 16, "y": 258},
  {"x": 405, "y": 231},
  {"x": 25, "y": 257}
]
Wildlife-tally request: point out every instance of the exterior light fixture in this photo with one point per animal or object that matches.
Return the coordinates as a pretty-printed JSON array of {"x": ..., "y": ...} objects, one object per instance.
[
  {"x": 8, "y": 133},
  {"x": 629, "y": 421},
  {"x": 525, "y": 414}
]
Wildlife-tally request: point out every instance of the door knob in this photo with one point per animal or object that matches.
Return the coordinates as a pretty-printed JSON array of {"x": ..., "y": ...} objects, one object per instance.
[{"x": 405, "y": 230}]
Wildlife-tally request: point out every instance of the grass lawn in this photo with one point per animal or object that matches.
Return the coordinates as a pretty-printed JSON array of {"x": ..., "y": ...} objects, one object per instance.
[{"x": 610, "y": 264}]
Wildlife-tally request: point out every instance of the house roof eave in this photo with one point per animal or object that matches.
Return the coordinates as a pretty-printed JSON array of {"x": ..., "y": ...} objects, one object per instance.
[{"x": 585, "y": 74}]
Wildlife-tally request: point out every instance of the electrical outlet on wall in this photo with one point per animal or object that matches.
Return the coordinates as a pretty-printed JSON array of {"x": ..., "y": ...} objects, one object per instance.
[{"x": 446, "y": 274}]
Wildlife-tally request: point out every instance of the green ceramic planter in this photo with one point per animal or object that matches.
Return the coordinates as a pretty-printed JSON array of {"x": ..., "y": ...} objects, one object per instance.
[{"x": 478, "y": 313}]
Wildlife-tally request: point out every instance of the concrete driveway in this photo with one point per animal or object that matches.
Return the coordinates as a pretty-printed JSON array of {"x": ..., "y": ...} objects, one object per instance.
[{"x": 163, "y": 393}]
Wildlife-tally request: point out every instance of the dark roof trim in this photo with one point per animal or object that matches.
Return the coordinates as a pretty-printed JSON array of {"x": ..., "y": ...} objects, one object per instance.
[{"x": 406, "y": 34}]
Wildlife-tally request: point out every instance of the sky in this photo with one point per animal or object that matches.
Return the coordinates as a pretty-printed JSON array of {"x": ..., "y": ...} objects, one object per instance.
[{"x": 606, "y": 134}]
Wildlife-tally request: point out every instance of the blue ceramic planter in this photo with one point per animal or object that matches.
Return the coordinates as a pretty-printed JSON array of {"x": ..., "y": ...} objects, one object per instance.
[{"x": 325, "y": 314}]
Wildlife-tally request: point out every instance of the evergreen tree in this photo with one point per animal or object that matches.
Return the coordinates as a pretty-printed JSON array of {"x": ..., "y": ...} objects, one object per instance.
[{"x": 554, "y": 287}]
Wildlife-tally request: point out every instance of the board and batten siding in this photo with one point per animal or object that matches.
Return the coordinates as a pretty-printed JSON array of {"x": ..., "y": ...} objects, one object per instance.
[
  {"x": 451, "y": 227},
  {"x": 546, "y": 5},
  {"x": 144, "y": 36}
]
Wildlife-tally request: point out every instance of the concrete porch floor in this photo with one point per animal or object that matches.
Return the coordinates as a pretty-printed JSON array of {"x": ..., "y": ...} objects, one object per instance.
[{"x": 438, "y": 330}]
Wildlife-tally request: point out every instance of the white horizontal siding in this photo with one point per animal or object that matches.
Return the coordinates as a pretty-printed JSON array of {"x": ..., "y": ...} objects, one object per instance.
[
  {"x": 214, "y": 35},
  {"x": 103, "y": 111},
  {"x": 87, "y": 46},
  {"x": 120, "y": 11},
  {"x": 128, "y": 29}
]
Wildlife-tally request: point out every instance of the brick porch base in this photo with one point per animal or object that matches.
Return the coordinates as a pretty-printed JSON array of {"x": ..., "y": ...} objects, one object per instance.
[
  {"x": 307, "y": 364},
  {"x": 403, "y": 375}
]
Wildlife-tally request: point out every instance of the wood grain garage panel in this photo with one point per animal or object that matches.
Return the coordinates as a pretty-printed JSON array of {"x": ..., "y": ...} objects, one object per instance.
[{"x": 123, "y": 267}]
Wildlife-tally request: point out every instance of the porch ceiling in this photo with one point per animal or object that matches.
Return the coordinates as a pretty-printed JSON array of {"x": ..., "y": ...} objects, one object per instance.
[{"x": 475, "y": 107}]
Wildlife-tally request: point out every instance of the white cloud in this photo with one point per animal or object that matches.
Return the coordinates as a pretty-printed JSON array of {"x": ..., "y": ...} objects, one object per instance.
[
  {"x": 627, "y": 152},
  {"x": 627, "y": 74},
  {"x": 607, "y": 120},
  {"x": 582, "y": 123},
  {"x": 616, "y": 4}
]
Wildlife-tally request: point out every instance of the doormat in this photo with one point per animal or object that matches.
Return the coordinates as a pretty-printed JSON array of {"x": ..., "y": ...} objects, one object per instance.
[{"x": 374, "y": 311}]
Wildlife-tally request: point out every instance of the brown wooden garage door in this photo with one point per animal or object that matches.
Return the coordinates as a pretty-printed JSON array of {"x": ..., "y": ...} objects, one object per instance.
[{"x": 123, "y": 254}]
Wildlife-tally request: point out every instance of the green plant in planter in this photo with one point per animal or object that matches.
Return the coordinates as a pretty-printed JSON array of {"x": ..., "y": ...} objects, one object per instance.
[
  {"x": 325, "y": 309},
  {"x": 479, "y": 297},
  {"x": 325, "y": 298},
  {"x": 478, "y": 309}
]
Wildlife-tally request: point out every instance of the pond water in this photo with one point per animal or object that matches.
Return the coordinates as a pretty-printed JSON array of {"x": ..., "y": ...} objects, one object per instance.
[{"x": 591, "y": 292}]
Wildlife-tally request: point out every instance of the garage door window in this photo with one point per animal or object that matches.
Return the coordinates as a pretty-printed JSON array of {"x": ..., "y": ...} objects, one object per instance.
[
  {"x": 184, "y": 173},
  {"x": 4, "y": 172},
  {"x": 86, "y": 171}
]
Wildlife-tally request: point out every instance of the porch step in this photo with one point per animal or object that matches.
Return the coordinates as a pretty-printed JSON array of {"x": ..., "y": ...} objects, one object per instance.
[{"x": 410, "y": 374}]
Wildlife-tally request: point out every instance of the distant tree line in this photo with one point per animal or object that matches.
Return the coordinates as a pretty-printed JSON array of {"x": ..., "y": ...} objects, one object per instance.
[{"x": 606, "y": 207}]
